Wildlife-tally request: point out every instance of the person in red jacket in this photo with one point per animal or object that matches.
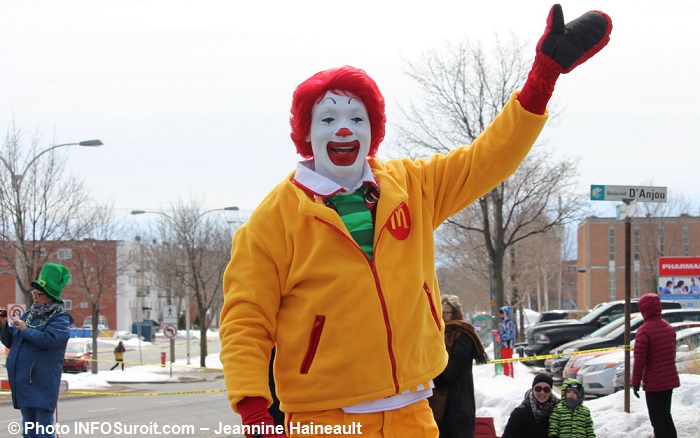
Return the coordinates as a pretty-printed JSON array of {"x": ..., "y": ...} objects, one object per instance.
[{"x": 655, "y": 365}]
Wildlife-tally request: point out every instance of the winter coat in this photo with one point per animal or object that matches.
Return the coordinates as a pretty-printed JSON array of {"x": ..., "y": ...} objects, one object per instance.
[
  {"x": 506, "y": 328},
  {"x": 567, "y": 423},
  {"x": 35, "y": 363},
  {"x": 349, "y": 329},
  {"x": 654, "y": 349},
  {"x": 460, "y": 408},
  {"x": 522, "y": 422},
  {"x": 119, "y": 352}
]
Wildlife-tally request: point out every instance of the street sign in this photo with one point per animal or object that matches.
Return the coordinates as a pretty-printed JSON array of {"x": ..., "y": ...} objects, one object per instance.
[
  {"x": 170, "y": 314},
  {"x": 627, "y": 193},
  {"x": 14, "y": 312},
  {"x": 170, "y": 331},
  {"x": 625, "y": 210}
]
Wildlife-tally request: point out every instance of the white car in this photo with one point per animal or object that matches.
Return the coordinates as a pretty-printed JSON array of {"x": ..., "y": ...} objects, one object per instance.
[
  {"x": 597, "y": 374},
  {"x": 687, "y": 353}
]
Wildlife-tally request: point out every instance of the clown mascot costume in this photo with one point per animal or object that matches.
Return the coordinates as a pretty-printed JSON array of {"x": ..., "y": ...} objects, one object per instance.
[{"x": 336, "y": 266}]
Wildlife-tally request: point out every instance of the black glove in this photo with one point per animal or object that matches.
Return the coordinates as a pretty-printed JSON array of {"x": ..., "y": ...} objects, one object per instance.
[
  {"x": 635, "y": 390},
  {"x": 560, "y": 49},
  {"x": 574, "y": 43}
]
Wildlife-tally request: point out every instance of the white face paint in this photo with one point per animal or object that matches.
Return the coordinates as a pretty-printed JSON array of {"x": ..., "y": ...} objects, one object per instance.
[{"x": 340, "y": 137}]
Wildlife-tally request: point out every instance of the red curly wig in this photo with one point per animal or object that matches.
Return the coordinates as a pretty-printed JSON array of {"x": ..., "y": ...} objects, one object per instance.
[{"x": 345, "y": 80}]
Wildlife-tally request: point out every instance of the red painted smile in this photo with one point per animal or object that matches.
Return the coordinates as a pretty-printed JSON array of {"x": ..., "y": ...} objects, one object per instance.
[{"x": 343, "y": 154}]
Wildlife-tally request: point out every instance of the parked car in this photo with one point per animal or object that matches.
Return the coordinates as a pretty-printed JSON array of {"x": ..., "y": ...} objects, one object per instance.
[
  {"x": 78, "y": 355},
  {"x": 687, "y": 352},
  {"x": 574, "y": 364},
  {"x": 616, "y": 336},
  {"x": 102, "y": 323},
  {"x": 541, "y": 338},
  {"x": 554, "y": 366},
  {"x": 599, "y": 375}
]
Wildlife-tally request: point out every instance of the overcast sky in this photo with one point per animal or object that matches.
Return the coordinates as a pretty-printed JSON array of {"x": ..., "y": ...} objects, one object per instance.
[{"x": 191, "y": 98}]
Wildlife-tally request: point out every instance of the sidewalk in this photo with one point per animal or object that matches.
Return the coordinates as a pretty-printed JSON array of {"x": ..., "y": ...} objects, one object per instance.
[{"x": 86, "y": 384}]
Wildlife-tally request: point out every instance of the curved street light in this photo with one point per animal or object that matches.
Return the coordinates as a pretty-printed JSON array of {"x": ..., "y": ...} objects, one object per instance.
[
  {"x": 18, "y": 177},
  {"x": 187, "y": 306}
]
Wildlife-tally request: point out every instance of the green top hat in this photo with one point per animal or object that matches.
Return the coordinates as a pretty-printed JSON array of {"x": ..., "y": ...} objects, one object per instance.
[{"x": 52, "y": 280}]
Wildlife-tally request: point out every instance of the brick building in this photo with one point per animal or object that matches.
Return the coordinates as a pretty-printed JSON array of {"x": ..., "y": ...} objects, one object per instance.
[
  {"x": 601, "y": 254},
  {"x": 114, "y": 264}
]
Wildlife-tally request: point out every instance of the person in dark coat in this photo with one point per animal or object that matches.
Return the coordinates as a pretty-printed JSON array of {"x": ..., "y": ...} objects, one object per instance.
[
  {"x": 453, "y": 401},
  {"x": 531, "y": 418},
  {"x": 37, "y": 344},
  {"x": 655, "y": 365},
  {"x": 119, "y": 355}
]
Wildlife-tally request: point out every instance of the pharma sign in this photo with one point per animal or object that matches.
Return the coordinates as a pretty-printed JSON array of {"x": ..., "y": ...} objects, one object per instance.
[
  {"x": 627, "y": 193},
  {"x": 679, "y": 266}
]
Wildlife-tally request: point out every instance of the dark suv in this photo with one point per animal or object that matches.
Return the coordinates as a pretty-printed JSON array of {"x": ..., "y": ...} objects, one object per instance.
[{"x": 545, "y": 336}]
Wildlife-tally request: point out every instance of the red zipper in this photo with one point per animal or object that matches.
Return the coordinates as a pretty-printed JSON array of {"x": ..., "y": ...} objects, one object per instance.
[
  {"x": 432, "y": 306},
  {"x": 313, "y": 343},
  {"x": 385, "y": 314}
]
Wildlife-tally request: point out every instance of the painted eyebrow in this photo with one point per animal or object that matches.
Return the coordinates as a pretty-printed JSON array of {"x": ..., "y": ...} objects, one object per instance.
[{"x": 327, "y": 98}]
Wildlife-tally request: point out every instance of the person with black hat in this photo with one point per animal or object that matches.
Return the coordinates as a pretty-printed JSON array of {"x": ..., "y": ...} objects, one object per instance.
[
  {"x": 531, "y": 418},
  {"x": 570, "y": 418},
  {"x": 37, "y": 344}
]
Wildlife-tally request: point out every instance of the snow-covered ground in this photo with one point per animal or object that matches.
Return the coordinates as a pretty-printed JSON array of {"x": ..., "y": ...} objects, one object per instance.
[{"x": 496, "y": 396}]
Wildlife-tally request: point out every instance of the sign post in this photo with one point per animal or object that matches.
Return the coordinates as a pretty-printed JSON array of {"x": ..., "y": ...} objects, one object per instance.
[
  {"x": 170, "y": 329},
  {"x": 629, "y": 195}
]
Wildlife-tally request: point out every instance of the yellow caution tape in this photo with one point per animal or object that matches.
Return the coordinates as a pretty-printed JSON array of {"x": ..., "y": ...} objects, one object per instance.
[{"x": 558, "y": 355}]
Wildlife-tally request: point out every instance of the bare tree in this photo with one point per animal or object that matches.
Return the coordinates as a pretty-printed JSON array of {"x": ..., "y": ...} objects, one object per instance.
[
  {"x": 462, "y": 90},
  {"x": 38, "y": 202},
  {"x": 655, "y": 237},
  {"x": 96, "y": 261},
  {"x": 198, "y": 257}
]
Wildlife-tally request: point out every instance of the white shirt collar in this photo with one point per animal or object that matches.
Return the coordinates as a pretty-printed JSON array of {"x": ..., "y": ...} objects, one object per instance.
[{"x": 322, "y": 187}]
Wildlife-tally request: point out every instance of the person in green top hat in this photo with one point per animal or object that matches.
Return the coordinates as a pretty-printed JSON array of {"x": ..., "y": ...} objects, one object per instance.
[{"x": 37, "y": 344}]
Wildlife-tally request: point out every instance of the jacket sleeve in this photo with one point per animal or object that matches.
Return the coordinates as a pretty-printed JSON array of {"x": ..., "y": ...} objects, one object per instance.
[
  {"x": 6, "y": 335},
  {"x": 468, "y": 172},
  {"x": 248, "y": 320},
  {"x": 461, "y": 357},
  {"x": 554, "y": 424},
  {"x": 590, "y": 431},
  {"x": 641, "y": 349},
  {"x": 57, "y": 330}
]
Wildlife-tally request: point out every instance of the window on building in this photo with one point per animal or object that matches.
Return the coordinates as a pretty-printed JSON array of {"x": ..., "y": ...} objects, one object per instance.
[
  {"x": 686, "y": 241},
  {"x": 611, "y": 285},
  {"x": 661, "y": 241},
  {"x": 636, "y": 243},
  {"x": 64, "y": 254},
  {"x": 68, "y": 304},
  {"x": 611, "y": 243}
]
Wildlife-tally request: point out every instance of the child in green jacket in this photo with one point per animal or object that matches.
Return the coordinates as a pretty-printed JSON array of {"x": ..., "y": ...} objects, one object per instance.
[{"x": 563, "y": 423}]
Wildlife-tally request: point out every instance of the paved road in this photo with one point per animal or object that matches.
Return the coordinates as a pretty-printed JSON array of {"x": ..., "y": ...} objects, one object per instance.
[{"x": 172, "y": 409}]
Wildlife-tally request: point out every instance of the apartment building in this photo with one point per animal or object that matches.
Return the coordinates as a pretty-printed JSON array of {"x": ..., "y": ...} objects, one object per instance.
[{"x": 601, "y": 254}]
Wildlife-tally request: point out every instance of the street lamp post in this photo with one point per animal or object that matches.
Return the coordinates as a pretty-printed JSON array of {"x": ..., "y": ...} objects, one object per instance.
[
  {"x": 187, "y": 305},
  {"x": 17, "y": 178}
]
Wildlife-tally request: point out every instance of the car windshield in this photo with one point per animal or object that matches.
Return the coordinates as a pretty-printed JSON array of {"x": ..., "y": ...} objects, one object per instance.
[
  {"x": 634, "y": 323},
  {"x": 75, "y": 348},
  {"x": 595, "y": 313},
  {"x": 604, "y": 330}
]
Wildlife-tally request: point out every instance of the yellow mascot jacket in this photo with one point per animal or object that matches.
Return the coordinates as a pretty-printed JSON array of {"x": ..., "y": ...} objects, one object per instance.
[{"x": 349, "y": 329}]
